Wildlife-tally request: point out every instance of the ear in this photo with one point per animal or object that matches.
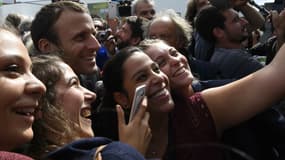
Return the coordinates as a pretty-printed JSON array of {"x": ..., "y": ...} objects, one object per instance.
[
  {"x": 46, "y": 46},
  {"x": 135, "y": 41},
  {"x": 218, "y": 32},
  {"x": 122, "y": 99}
]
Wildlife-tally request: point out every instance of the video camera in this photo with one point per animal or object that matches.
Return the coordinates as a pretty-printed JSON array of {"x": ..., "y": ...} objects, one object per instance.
[{"x": 124, "y": 8}]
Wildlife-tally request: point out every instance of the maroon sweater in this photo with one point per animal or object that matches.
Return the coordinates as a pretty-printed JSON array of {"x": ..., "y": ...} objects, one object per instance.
[{"x": 193, "y": 132}]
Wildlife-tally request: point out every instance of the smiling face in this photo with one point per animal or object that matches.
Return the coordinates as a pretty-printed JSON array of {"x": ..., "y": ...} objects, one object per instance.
[
  {"x": 235, "y": 27},
  {"x": 20, "y": 92},
  {"x": 172, "y": 63},
  {"x": 163, "y": 28},
  {"x": 124, "y": 36},
  {"x": 144, "y": 9},
  {"x": 74, "y": 99},
  {"x": 140, "y": 69},
  {"x": 76, "y": 33}
]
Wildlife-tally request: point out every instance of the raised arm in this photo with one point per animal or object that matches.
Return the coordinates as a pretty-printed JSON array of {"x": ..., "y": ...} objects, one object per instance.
[
  {"x": 278, "y": 20},
  {"x": 242, "y": 99},
  {"x": 251, "y": 14}
]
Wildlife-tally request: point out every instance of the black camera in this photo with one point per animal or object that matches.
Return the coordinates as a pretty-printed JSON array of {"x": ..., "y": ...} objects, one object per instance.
[
  {"x": 102, "y": 35},
  {"x": 124, "y": 8}
]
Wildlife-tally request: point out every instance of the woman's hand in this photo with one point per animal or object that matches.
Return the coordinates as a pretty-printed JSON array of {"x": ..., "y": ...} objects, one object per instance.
[{"x": 137, "y": 133}]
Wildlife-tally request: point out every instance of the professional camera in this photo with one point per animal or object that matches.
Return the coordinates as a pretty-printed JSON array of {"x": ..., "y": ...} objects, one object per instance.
[
  {"x": 124, "y": 8},
  {"x": 102, "y": 35}
]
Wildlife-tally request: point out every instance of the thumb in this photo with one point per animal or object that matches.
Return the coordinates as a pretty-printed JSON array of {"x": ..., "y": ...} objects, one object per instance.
[{"x": 121, "y": 116}]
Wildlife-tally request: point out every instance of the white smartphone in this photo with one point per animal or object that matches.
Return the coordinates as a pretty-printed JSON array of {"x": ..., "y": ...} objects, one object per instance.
[
  {"x": 138, "y": 97},
  {"x": 112, "y": 10}
]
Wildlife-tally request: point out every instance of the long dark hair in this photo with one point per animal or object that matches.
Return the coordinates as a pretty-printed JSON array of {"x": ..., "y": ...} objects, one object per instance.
[{"x": 105, "y": 117}]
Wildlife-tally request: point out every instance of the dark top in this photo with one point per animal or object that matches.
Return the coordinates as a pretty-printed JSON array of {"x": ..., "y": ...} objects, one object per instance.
[
  {"x": 84, "y": 149},
  {"x": 234, "y": 63},
  {"x": 193, "y": 130}
]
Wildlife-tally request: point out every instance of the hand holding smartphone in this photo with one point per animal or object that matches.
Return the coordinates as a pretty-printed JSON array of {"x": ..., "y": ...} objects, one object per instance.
[{"x": 138, "y": 97}]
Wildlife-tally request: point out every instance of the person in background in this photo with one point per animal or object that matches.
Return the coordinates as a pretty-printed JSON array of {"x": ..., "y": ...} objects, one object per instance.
[
  {"x": 203, "y": 49},
  {"x": 272, "y": 45},
  {"x": 143, "y": 8},
  {"x": 106, "y": 39},
  {"x": 20, "y": 92},
  {"x": 21, "y": 25},
  {"x": 130, "y": 33},
  {"x": 193, "y": 7},
  {"x": 67, "y": 26},
  {"x": 177, "y": 32},
  {"x": 65, "y": 112},
  {"x": 227, "y": 31},
  {"x": 172, "y": 28}
]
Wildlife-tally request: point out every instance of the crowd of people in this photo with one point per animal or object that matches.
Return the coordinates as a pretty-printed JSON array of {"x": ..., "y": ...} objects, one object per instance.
[{"x": 213, "y": 89}]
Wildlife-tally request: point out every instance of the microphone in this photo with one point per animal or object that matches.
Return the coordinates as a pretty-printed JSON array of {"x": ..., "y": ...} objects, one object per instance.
[{"x": 263, "y": 10}]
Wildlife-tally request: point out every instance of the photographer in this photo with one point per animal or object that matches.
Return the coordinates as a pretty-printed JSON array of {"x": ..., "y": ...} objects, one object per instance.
[
  {"x": 272, "y": 45},
  {"x": 106, "y": 39},
  {"x": 130, "y": 33}
]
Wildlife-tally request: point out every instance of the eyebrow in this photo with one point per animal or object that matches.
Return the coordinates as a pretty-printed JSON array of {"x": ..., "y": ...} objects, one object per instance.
[
  {"x": 144, "y": 69},
  {"x": 16, "y": 58},
  {"x": 72, "y": 78},
  {"x": 137, "y": 73}
]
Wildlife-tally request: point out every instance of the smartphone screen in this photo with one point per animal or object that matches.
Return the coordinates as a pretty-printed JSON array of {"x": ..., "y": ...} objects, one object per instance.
[{"x": 138, "y": 97}]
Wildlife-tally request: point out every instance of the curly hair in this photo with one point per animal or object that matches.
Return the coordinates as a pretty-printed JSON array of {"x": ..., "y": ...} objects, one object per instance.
[{"x": 53, "y": 128}]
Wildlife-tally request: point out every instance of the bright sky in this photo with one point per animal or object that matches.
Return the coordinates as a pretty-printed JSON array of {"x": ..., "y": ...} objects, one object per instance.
[
  {"x": 261, "y": 2},
  {"x": 257, "y": 1}
]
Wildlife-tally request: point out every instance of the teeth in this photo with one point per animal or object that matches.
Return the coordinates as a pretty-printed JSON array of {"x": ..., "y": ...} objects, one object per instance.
[
  {"x": 25, "y": 111},
  {"x": 86, "y": 112},
  {"x": 160, "y": 93}
]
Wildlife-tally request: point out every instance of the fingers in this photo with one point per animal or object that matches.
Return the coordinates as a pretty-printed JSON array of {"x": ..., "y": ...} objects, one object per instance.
[
  {"x": 145, "y": 123},
  {"x": 142, "y": 110},
  {"x": 145, "y": 119},
  {"x": 121, "y": 116}
]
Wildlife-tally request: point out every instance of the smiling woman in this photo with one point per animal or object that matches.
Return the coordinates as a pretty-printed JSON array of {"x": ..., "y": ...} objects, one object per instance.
[
  {"x": 20, "y": 92},
  {"x": 64, "y": 108},
  {"x": 64, "y": 118}
]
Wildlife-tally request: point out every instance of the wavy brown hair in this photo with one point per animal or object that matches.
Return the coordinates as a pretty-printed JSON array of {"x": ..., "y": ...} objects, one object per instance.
[{"x": 52, "y": 128}]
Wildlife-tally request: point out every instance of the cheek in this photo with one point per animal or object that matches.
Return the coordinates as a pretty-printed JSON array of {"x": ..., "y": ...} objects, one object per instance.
[
  {"x": 166, "y": 70},
  {"x": 74, "y": 50},
  {"x": 11, "y": 92},
  {"x": 185, "y": 62},
  {"x": 71, "y": 103}
]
